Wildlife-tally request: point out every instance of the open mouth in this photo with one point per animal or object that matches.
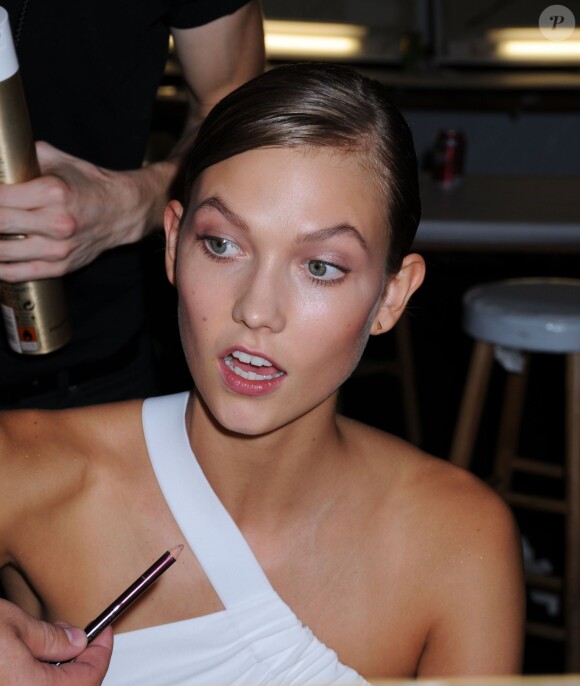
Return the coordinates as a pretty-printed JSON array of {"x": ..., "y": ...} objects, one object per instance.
[{"x": 251, "y": 367}]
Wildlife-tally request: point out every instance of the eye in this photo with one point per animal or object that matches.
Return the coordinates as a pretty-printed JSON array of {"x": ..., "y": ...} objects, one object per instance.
[
  {"x": 221, "y": 247},
  {"x": 325, "y": 271}
]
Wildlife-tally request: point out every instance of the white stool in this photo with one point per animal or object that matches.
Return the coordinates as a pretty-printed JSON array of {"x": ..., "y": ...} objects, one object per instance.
[{"x": 510, "y": 320}]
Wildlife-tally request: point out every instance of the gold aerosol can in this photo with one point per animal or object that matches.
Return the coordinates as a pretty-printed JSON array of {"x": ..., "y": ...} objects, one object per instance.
[{"x": 35, "y": 313}]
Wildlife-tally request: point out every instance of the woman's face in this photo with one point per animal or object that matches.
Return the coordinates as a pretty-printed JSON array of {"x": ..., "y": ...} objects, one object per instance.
[{"x": 280, "y": 271}]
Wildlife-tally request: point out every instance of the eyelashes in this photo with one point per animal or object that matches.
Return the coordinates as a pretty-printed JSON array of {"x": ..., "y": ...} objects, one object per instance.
[{"x": 325, "y": 273}]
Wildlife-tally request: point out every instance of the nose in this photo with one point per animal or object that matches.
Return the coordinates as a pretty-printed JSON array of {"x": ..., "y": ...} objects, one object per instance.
[{"x": 259, "y": 303}]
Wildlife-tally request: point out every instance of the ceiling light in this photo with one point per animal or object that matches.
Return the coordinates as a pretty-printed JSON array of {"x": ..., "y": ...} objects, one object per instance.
[{"x": 287, "y": 39}]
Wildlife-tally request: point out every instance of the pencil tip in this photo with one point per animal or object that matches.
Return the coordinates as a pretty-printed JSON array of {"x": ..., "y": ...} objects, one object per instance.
[{"x": 175, "y": 551}]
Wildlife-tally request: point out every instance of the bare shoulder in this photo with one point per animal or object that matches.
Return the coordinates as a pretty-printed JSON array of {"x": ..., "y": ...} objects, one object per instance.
[
  {"x": 428, "y": 490},
  {"x": 443, "y": 513},
  {"x": 32, "y": 435},
  {"x": 45, "y": 455},
  {"x": 458, "y": 557}
]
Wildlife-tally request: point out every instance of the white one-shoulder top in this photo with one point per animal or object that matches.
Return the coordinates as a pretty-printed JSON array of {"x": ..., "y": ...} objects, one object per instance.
[{"x": 256, "y": 639}]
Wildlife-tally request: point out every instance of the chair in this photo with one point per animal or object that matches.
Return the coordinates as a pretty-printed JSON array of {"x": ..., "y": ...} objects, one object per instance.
[{"x": 510, "y": 321}]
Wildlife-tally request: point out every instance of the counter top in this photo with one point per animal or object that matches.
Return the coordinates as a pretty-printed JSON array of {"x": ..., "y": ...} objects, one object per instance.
[{"x": 501, "y": 213}]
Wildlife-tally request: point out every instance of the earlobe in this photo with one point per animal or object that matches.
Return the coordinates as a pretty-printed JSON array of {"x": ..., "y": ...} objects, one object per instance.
[
  {"x": 171, "y": 223},
  {"x": 398, "y": 292}
]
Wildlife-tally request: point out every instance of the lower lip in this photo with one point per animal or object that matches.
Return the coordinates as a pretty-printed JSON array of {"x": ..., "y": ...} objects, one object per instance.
[{"x": 237, "y": 384}]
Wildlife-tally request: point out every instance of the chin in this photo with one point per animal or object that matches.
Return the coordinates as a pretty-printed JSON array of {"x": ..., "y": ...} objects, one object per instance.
[{"x": 250, "y": 422}]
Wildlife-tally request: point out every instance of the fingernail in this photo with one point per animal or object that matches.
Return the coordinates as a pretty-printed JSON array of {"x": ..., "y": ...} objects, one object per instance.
[{"x": 76, "y": 637}]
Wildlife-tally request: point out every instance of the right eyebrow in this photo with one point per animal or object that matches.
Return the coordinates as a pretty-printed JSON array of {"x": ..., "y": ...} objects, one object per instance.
[{"x": 216, "y": 203}]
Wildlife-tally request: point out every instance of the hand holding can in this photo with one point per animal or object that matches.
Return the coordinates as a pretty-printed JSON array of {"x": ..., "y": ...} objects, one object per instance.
[{"x": 35, "y": 313}]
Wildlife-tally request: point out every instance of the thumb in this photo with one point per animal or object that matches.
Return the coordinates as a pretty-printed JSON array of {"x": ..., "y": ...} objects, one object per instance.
[
  {"x": 50, "y": 157},
  {"x": 45, "y": 150},
  {"x": 52, "y": 642}
]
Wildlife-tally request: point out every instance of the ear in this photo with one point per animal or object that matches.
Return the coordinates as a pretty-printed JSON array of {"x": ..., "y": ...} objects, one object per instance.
[
  {"x": 397, "y": 293},
  {"x": 171, "y": 223}
]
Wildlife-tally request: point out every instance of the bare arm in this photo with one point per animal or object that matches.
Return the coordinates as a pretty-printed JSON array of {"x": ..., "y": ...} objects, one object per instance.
[
  {"x": 217, "y": 58},
  {"x": 77, "y": 210},
  {"x": 480, "y": 602}
]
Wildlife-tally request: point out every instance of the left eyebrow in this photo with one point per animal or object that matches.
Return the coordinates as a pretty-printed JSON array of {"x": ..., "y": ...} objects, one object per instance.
[{"x": 330, "y": 232}]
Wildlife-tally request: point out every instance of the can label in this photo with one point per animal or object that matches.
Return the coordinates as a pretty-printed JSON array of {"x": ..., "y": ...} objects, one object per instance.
[
  {"x": 448, "y": 158},
  {"x": 35, "y": 316}
]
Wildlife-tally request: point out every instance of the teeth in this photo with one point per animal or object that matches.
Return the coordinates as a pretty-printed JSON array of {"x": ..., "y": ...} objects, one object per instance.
[
  {"x": 251, "y": 359},
  {"x": 250, "y": 376}
]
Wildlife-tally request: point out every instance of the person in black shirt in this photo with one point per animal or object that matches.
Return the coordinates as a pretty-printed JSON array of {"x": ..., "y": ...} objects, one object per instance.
[{"x": 90, "y": 72}]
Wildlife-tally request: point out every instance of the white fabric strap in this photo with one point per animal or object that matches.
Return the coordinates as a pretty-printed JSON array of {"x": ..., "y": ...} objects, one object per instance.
[{"x": 208, "y": 528}]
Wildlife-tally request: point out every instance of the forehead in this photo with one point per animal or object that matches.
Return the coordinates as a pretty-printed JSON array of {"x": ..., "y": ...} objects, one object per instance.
[{"x": 312, "y": 184}]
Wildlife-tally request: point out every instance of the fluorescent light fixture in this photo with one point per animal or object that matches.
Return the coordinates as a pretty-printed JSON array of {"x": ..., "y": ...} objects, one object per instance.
[
  {"x": 541, "y": 49},
  {"x": 529, "y": 44},
  {"x": 280, "y": 45},
  {"x": 288, "y": 39}
]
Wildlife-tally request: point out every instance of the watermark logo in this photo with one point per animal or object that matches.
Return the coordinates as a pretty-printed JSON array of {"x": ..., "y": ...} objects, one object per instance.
[{"x": 557, "y": 22}]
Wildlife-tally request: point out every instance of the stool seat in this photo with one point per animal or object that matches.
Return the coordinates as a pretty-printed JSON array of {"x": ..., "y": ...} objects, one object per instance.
[{"x": 534, "y": 314}]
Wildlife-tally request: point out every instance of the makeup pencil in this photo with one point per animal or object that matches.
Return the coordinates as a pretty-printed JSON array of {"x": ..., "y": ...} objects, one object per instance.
[
  {"x": 134, "y": 591},
  {"x": 129, "y": 596}
]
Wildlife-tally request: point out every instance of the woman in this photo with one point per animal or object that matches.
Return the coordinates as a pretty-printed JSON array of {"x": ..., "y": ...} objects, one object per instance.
[{"x": 317, "y": 549}]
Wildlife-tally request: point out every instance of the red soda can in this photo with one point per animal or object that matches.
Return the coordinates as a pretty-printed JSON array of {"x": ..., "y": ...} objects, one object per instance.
[{"x": 448, "y": 157}]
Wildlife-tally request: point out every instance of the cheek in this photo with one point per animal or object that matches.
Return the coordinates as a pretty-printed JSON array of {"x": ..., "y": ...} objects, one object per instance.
[
  {"x": 195, "y": 330},
  {"x": 356, "y": 317},
  {"x": 194, "y": 310},
  {"x": 198, "y": 294},
  {"x": 337, "y": 335},
  {"x": 354, "y": 338}
]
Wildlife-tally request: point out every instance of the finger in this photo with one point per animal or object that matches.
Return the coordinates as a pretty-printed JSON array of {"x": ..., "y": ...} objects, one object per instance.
[
  {"x": 32, "y": 258},
  {"x": 13, "y": 220},
  {"x": 32, "y": 247},
  {"x": 90, "y": 666},
  {"x": 27, "y": 195},
  {"x": 47, "y": 219},
  {"x": 49, "y": 156},
  {"x": 46, "y": 641},
  {"x": 31, "y": 271},
  {"x": 45, "y": 150}
]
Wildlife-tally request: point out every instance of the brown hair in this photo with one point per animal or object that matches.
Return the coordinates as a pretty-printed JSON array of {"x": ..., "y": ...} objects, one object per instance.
[{"x": 320, "y": 105}]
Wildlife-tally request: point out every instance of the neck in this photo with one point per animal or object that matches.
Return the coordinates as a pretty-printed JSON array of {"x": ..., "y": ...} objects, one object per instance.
[{"x": 269, "y": 477}]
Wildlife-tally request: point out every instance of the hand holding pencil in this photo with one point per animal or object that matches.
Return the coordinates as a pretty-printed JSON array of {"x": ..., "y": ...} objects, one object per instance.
[
  {"x": 30, "y": 649},
  {"x": 27, "y": 644}
]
